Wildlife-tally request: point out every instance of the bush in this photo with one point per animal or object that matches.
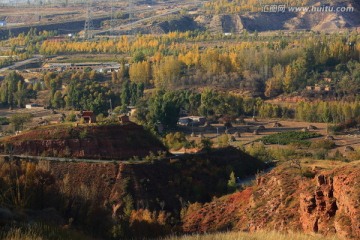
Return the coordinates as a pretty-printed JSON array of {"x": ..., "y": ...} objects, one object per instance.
[
  {"x": 206, "y": 144},
  {"x": 321, "y": 154},
  {"x": 283, "y": 153},
  {"x": 4, "y": 121},
  {"x": 83, "y": 134},
  {"x": 175, "y": 140},
  {"x": 231, "y": 183},
  {"x": 308, "y": 174},
  {"x": 71, "y": 117},
  {"x": 223, "y": 140},
  {"x": 323, "y": 144},
  {"x": 258, "y": 150}
]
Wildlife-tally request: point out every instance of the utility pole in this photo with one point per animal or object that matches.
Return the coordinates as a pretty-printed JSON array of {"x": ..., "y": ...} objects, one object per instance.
[
  {"x": 112, "y": 18},
  {"x": 88, "y": 21},
  {"x": 131, "y": 9},
  {"x": 38, "y": 10},
  {"x": 110, "y": 106}
]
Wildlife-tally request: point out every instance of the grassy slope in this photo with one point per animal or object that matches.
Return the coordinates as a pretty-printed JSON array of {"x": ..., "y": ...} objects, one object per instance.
[{"x": 253, "y": 236}]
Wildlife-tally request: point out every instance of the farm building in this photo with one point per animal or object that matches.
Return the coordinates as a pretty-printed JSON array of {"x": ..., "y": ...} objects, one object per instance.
[
  {"x": 123, "y": 119},
  {"x": 31, "y": 105},
  {"x": 195, "y": 120},
  {"x": 88, "y": 116}
]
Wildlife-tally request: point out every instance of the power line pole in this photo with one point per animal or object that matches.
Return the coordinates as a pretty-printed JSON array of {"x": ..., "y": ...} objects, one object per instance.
[
  {"x": 88, "y": 21},
  {"x": 39, "y": 2},
  {"x": 131, "y": 9},
  {"x": 112, "y": 18}
]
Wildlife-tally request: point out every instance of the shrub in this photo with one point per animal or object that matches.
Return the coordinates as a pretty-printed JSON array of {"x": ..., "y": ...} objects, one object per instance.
[
  {"x": 308, "y": 174},
  {"x": 206, "y": 144},
  {"x": 4, "y": 121},
  {"x": 259, "y": 151},
  {"x": 231, "y": 183},
  {"x": 323, "y": 144},
  {"x": 175, "y": 140},
  {"x": 71, "y": 117},
  {"x": 223, "y": 140},
  {"x": 83, "y": 134},
  {"x": 321, "y": 154},
  {"x": 283, "y": 153}
]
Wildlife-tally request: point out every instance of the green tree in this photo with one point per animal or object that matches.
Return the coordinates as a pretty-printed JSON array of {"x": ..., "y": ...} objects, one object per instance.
[
  {"x": 19, "y": 120},
  {"x": 125, "y": 95},
  {"x": 57, "y": 101},
  {"x": 167, "y": 72},
  {"x": 13, "y": 90}
]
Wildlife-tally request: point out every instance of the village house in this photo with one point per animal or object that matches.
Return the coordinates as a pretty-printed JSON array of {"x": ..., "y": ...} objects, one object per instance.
[
  {"x": 194, "y": 120},
  {"x": 32, "y": 105},
  {"x": 88, "y": 116},
  {"x": 123, "y": 119}
]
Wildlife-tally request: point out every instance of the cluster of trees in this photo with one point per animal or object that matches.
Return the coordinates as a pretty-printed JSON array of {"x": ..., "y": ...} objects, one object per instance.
[
  {"x": 14, "y": 91},
  {"x": 87, "y": 90},
  {"x": 6, "y": 62},
  {"x": 328, "y": 112},
  {"x": 131, "y": 92},
  {"x": 263, "y": 65},
  {"x": 165, "y": 106},
  {"x": 23, "y": 46},
  {"x": 88, "y": 95},
  {"x": 321, "y": 111}
]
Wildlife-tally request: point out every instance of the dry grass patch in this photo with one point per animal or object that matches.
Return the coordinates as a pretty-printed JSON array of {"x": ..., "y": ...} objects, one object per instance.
[{"x": 254, "y": 236}]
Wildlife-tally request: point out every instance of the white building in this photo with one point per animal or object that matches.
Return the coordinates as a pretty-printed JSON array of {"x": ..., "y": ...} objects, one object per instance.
[{"x": 31, "y": 105}]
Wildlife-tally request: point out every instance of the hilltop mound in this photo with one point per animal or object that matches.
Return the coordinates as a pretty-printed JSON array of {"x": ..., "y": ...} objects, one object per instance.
[
  {"x": 92, "y": 142},
  {"x": 283, "y": 200}
]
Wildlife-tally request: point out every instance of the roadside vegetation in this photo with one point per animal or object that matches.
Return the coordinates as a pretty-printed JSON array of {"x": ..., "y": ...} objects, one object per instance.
[{"x": 40, "y": 232}]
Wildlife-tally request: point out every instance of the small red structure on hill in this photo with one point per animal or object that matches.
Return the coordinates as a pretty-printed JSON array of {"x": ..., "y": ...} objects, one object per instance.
[{"x": 88, "y": 116}]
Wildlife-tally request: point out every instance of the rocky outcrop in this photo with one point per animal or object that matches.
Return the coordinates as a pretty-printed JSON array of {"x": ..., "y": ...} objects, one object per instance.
[
  {"x": 346, "y": 191},
  {"x": 318, "y": 208},
  {"x": 282, "y": 200},
  {"x": 333, "y": 207},
  {"x": 222, "y": 23}
]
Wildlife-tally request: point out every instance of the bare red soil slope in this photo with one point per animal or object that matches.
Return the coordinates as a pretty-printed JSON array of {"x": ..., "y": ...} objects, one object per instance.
[
  {"x": 282, "y": 200},
  {"x": 93, "y": 142}
]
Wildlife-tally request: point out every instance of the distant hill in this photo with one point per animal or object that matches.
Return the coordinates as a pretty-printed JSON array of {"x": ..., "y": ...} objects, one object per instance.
[{"x": 235, "y": 16}]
